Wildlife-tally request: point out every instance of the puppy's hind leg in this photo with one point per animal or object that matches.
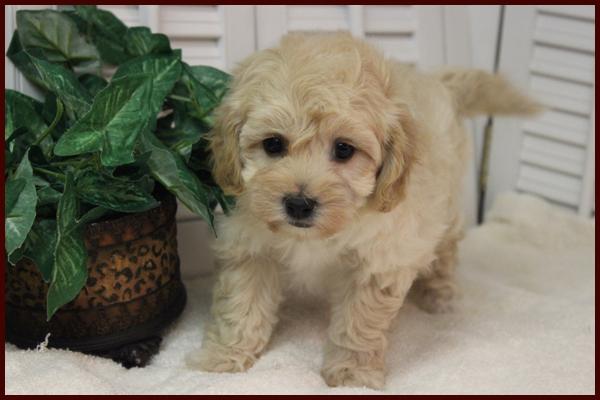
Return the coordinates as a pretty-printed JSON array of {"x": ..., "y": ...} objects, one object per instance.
[
  {"x": 435, "y": 290},
  {"x": 246, "y": 298}
]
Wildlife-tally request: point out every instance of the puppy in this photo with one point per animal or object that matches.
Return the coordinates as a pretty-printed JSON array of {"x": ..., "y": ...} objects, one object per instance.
[{"x": 347, "y": 169}]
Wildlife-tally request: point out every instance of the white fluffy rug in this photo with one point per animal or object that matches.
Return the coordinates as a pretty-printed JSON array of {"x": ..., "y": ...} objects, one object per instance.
[{"x": 525, "y": 324}]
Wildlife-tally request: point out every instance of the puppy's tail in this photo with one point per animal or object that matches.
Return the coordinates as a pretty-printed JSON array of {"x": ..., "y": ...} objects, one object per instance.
[{"x": 478, "y": 92}]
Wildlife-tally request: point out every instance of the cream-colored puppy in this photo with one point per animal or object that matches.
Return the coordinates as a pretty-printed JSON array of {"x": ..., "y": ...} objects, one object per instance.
[{"x": 347, "y": 167}]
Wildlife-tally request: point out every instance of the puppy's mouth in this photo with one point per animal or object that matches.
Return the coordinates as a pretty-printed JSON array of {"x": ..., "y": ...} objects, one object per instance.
[{"x": 300, "y": 224}]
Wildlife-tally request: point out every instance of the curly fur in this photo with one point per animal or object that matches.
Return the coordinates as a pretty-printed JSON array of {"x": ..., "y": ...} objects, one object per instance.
[{"x": 386, "y": 218}]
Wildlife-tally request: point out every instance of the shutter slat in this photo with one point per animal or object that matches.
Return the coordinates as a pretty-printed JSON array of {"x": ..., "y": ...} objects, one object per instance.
[
  {"x": 191, "y": 21},
  {"x": 199, "y": 52},
  {"x": 198, "y": 14},
  {"x": 550, "y": 184},
  {"x": 564, "y": 95},
  {"x": 565, "y": 32},
  {"x": 561, "y": 126},
  {"x": 553, "y": 155},
  {"x": 323, "y": 18},
  {"x": 563, "y": 63},
  {"x": 389, "y": 19},
  {"x": 185, "y": 29},
  {"x": 581, "y": 11}
]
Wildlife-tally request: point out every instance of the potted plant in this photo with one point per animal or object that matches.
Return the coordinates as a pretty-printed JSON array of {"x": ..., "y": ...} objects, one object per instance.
[{"x": 91, "y": 173}]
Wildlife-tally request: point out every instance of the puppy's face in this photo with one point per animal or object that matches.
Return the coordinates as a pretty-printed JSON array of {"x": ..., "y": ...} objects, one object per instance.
[
  {"x": 305, "y": 133},
  {"x": 307, "y": 173}
]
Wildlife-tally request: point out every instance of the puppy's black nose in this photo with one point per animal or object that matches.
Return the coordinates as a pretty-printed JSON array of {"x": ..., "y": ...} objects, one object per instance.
[{"x": 299, "y": 207}]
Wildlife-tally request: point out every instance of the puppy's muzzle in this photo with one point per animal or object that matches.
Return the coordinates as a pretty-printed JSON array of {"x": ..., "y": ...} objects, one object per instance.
[{"x": 300, "y": 209}]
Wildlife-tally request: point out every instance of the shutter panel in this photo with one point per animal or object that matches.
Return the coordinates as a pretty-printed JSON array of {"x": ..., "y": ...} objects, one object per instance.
[
  {"x": 550, "y": 51},
  {"x": 394, "y": 29}
]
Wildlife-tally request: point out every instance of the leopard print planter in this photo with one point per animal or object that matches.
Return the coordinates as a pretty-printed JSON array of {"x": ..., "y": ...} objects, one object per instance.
[{"x": 132, "y": 293}]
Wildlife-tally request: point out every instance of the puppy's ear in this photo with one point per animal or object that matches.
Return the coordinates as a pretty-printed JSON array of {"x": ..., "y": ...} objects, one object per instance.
[
  {"x": 225, "y": 148},
  {"x": 400, "y": 154}
]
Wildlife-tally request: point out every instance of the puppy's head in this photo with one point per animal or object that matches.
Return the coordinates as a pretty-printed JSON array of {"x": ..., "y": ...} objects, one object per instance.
[{"x": 312, "y": 133}]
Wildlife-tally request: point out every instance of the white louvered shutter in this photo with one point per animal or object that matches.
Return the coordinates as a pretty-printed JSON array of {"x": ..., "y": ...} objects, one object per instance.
[
  {"x": 550, "y": 52},
  {"x": 410, "y": 34}
]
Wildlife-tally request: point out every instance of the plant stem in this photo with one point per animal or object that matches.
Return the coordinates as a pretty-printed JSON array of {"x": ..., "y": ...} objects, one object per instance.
[
  {"x": 51, "y": 173},
  {"x": 180, "y": 98},
  {"x": 77, "y": 163},
  {"x": 59, "y": 112}
]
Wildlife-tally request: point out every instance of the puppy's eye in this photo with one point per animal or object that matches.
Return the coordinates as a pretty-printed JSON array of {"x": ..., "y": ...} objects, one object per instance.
[
  {"x": 343, "y": 151},
  {"x": 274, "y": 145}
]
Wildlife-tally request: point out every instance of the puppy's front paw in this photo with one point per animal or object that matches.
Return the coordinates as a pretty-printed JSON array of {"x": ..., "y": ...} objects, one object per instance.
[
  {"x": 217, "y": 358},
  {"x": 344, "y": 367},
  {"x": 354, "y": 376},
  {"x": 438, "y": 298}
]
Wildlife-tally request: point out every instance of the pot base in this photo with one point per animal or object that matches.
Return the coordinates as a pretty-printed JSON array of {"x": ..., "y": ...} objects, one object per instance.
[{"x": 131, "y": 348}]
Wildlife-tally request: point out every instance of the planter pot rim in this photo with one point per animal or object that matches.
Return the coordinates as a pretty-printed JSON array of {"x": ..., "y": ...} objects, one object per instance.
[{"x": 117, "y": 230}]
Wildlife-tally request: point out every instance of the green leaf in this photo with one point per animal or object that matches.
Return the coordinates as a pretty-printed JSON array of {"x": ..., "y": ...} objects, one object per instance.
[
  {"x": 40, "y": 244},
  {"x": 52, "y": 77},
  {"x": 206, "y": 87},
  {"x": 45, "y": 154},
  {"x": 118, "y": 115},
  {"x": 168, "y": 168},
  {"x": 200, "y": 158},
  {"x": 180, "y": 141},
  {"x": 164, "y": 70},
  {"x": 16, "y": 256},
  {"x": 64, "y": 85},
  {"x": 106, "y": 31},
  {"x": 213, "y": 79},
  {"x": 69, "y": 272},
  {"x": 56, "y": 35},
  {"x": 111, "y": 51},
  {"x": 141, "y": 41},
  {"x": 22, "y": 59},
  {"x": 50, "y": 111},
  {"x": 122, "y": 110},
  {"x": 182, "y": 131},
  {"x": 21, "y": 111},
  {"x": 92, "y": 215},
  {"x": 93, "y": 83},
  {"x": 117, "y": 194},
  {"x": 20, "y": 203},
  {"x": 227, "y": 202},
  {"x": 12, "y": 190},
  {"x": 48, "y": 195},
  {"x": 105, "y": 21}
]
